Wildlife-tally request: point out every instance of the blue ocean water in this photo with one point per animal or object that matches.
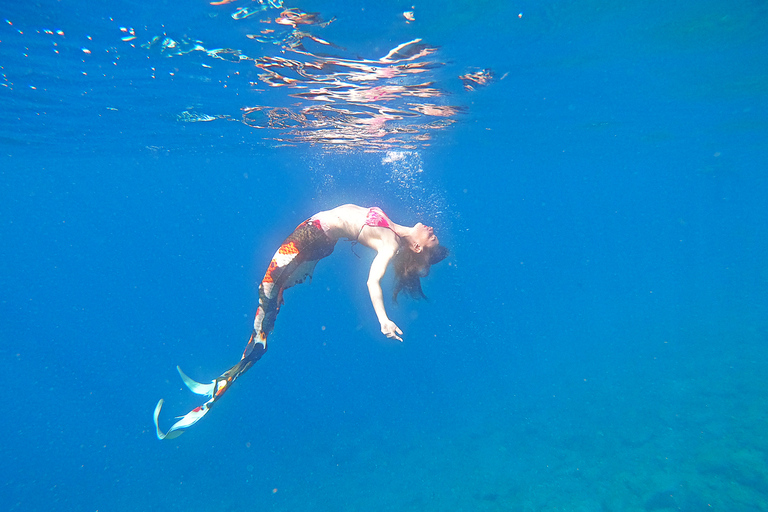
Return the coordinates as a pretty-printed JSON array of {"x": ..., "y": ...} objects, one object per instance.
[{"x": 595, "y": 342}]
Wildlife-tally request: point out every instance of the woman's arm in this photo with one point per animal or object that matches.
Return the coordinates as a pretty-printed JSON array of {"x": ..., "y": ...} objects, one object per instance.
[{"x": 378, "y": 268}]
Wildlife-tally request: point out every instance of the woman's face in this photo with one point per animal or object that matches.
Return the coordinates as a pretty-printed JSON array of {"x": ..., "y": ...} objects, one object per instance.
[{"x": 425, "y": 236}]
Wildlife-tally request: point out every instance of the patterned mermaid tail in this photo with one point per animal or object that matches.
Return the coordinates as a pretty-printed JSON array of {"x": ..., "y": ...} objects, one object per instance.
[
  {"x": 213, "y": 391},
  {"x": 293, "y": 262}
]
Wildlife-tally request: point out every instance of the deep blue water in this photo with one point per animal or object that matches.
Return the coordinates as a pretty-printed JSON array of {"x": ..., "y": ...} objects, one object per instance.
[{"x": 597, "y": 340}]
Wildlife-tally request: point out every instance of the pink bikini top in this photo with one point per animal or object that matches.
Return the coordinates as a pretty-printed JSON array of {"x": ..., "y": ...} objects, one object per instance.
[{"x": 376, "y": 218}]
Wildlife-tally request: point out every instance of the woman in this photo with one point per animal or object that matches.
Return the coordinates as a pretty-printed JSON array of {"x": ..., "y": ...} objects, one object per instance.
[{"x": 412, "y": 250}]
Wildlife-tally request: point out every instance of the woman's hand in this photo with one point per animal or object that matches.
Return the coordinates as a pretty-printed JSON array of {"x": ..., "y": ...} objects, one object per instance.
[{"x": 390, "y": 330}]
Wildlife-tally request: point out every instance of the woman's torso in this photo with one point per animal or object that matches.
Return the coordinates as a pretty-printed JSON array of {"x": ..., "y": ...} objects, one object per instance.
[{"x": 369, "y": 226}]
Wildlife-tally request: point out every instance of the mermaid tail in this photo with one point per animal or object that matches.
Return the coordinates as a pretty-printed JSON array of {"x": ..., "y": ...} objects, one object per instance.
[
  {"x": 184, "y": 422},
  {"x": 192, "y": 416},
  {"x": 292, "y": 264},
  {"x": 214, "y": 390},
  {"x": 197, "y": 387}
]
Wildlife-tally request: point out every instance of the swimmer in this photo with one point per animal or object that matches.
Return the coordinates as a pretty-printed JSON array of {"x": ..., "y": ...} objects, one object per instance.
[{"x": 411, "y": 250}]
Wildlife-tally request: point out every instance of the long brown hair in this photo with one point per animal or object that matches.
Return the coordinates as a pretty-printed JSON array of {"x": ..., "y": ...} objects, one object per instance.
[{"x": 411, "y": 266}]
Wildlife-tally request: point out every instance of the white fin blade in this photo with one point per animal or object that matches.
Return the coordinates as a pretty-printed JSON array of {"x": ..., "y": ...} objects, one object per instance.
[{"x": 197, "y": 387}]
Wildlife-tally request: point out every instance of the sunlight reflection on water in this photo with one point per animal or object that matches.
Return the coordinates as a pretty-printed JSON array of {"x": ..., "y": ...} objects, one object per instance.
[{"x": 334, "y": 98}]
